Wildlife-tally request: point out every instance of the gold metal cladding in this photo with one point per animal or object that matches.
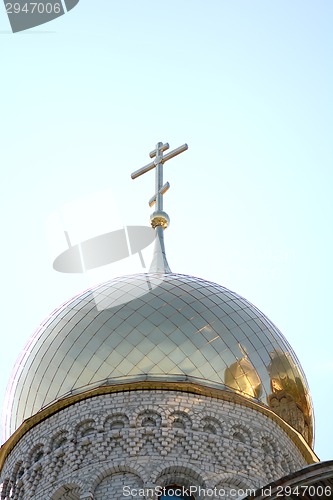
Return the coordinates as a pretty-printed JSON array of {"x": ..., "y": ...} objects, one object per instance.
[
  {"x": 243, "y": 377},
  {"x": 159, "y": 219},
  {"x": 287, "y": 398},
  {"x": 304, "y": 448}
]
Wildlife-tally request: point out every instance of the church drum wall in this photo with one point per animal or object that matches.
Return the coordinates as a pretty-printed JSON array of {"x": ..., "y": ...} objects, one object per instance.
[{"x": 141, "y": 439}]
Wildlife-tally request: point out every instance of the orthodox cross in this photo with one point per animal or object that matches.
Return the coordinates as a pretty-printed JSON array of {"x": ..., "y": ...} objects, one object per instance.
[
  {"x": 159, "y": 220},
  {"x": 160, "y": 188}
]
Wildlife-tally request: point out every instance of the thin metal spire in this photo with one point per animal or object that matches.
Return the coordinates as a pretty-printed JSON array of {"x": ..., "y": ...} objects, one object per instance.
[{"x": 159, "y": 219}]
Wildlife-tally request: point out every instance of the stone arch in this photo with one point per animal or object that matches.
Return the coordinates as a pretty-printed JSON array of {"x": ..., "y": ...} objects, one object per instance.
[
  {"x": 241, "y": 433},
  {"x": 36, "y": 453},
  {"x": 59, "y": 439},
  {"x": 285, "y": 463},
  {"x": 158, "y": 410},
  {"x": 149, "y": 418},
  {"x": 211, "y": 425},
  {"x": 115, "y": 421},
  {"x": 234, "y": 486},
  {"x": 35, "y": 464},
  {"x": 180, "y": 420},
  {"x": 106, "y": 471},
  {"x": 270, "y": 457},
  {"x": 13, "y": 487},
  {"x": 68, "y": 491},
  {"x": 6, "y": 490},
  {"x": 172, "y": 473},
  {"x": 59, "y": 444},
  {"x": 17, "y": 467},
  {"x": 110, "y": 482},
  {"x": 180, "y": 477},
  {"x": 85, "y": 428},
  {"x": 18, "y": 471},
  {"x": 269, "y": 445}
]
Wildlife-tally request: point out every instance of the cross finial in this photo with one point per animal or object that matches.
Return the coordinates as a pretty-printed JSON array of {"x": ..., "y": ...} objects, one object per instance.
[{"x": 159, "y": 218}]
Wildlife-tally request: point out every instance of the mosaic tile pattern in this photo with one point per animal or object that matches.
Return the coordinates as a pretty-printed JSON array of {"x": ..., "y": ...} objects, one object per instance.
[{"x": 171, "y": 327}]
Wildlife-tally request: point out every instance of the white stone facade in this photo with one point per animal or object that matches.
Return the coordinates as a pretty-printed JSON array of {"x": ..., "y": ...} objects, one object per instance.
[{"x": 143, "y": 439}]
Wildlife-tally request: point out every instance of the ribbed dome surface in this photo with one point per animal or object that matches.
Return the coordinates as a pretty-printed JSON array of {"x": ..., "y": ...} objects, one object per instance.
[{"x": 165, "y": 327}]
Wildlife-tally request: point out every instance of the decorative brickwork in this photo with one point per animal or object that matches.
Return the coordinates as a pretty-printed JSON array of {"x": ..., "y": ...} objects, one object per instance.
[{"x": 141, "y": 439}]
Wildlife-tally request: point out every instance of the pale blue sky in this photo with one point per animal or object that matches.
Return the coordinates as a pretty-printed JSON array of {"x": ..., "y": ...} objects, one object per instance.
[{"x": 248, "y": 85}]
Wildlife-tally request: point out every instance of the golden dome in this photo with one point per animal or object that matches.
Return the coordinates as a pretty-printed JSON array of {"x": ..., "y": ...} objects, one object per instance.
[{"x": 167, "y": 327}]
